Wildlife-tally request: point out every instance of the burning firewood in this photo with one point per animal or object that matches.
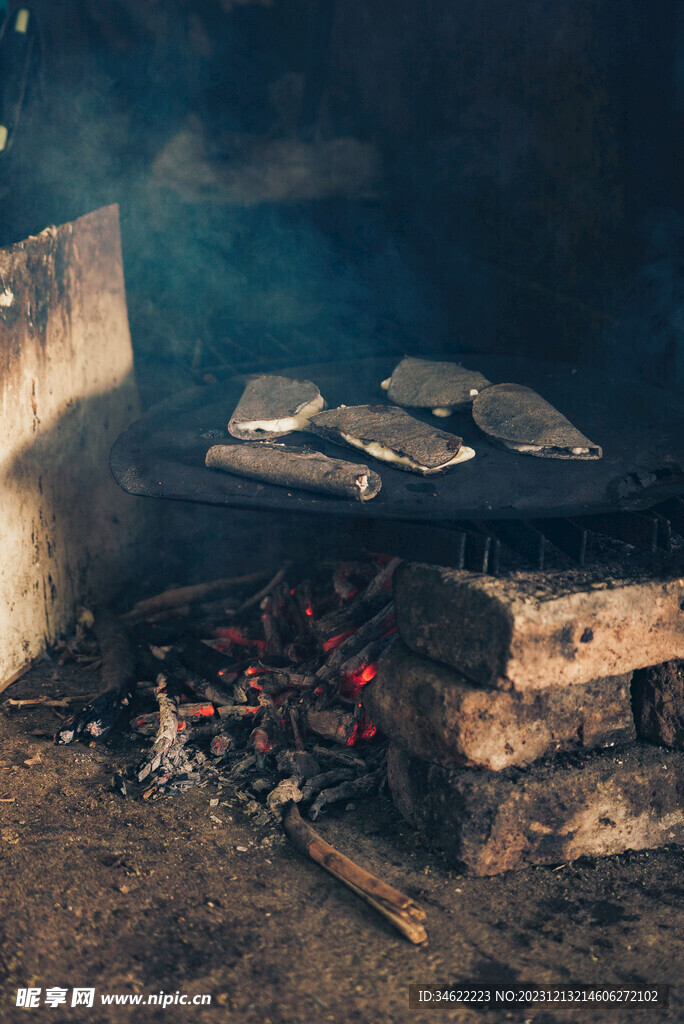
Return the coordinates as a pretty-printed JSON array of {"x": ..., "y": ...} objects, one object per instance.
[
  {"x": 382, "y": 624},
  {"x": 331, "y": 724},
  {"x": 360, "y": 609},
  {"x": 398, "y": 909}
]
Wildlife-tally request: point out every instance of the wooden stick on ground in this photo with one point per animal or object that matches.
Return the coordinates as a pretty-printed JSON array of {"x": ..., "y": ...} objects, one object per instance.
[{"x": 400, "y": 910}]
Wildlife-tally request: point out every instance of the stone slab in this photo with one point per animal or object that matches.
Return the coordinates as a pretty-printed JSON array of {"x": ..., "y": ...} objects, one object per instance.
[
  {"x": 533, "y": 630},
  {"x": 434, "y": 713},
  {"x": 68, "y": 534},
  {"x": 591, "y": 804},
  {"x": 659, "y": 703}
]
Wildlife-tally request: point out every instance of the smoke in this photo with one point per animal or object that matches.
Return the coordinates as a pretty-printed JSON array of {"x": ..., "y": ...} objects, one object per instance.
[
  {"x": 253, "y": 226},
  {"x": 310, "y": 181}
]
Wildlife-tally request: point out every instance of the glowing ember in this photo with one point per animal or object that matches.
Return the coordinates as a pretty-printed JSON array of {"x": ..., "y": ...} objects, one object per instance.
[
  {"x": 261, "y": 741},
  {"x": 363, "y": 730},
  {"x": 309, "y": 609},
  {"x": 354, "y": 682},
  {"x": 232, "y": 634},
  {"x": 203, "y": 710},
  {"x": 334, "y": 642}
]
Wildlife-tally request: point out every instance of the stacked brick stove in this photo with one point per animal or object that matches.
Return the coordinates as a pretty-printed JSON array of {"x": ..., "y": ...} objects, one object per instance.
[{"x": 527, "y": 725}]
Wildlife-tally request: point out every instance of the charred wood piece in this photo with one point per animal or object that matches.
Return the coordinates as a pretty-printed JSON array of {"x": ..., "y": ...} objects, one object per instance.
[
  {"x": 97, "y": 718},
  {"x": 337, "y": 726},
  {"x": 331, "y": 778},
  {"x": 359, "y": 609},
  {"x": 366, "y": 785},
  {"x": 381, "y": 624},
  {"x": 342, "y": 757},
  {"x": 217, "y": 668}
]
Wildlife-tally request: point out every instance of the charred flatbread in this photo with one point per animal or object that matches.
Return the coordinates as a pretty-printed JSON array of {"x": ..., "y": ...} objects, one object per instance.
[
  {"x": 442, "y": 387},
  {"x": 272, "y": 406},
  {"x": 295, "y": 467},
  {"x": 517, "y": 418},
  {"x": 388, "y": 433}
]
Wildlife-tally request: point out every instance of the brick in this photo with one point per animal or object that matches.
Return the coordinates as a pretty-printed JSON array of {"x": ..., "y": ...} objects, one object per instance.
[
  {"x": 659, "y": 703},
  {"x": 533, "y": 630},
  {"x": 433, "y": 712},
  {"x": 591, "y": 804}
]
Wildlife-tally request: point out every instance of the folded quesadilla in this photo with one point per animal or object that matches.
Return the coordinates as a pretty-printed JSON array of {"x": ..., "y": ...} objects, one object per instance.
[
  {"x": 442, "y": 387},
  {"x": 388, "y": 433},
  {"x": 517, "y": 418},
  {"x": 272, "y": 406},
  {"x": 295, "y": 467}
]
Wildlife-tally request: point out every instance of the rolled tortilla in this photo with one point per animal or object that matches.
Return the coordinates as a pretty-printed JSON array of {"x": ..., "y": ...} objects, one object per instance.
[
  {"x": 442, "y": 387},
  {"x": 296, "y": 467},
  {"x": 517, "y": 418},
  {"x": 388, "y": 433},
  {"x": 272, "y": 406}
]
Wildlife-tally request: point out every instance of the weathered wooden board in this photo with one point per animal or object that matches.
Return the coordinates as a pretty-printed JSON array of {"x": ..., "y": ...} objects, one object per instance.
[{"x": 66, "y": 379}]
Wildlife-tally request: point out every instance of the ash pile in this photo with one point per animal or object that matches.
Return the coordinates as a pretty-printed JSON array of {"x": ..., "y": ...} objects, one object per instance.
[{"x": 250, "y": 676}]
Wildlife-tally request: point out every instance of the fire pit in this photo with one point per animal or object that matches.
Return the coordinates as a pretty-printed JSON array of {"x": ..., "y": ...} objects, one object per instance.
[{"x": 507, "y": 700}]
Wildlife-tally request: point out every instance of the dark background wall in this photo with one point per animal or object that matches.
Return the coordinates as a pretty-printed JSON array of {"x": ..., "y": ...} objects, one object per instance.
[{"x": 305, "y": 179}]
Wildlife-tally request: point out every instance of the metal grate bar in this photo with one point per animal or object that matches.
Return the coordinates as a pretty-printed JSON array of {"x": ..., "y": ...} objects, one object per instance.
[
  {"x": 631, "y": 527},
  {"x": 524, "y": 538},
  {"x": 570, "y": 538}
]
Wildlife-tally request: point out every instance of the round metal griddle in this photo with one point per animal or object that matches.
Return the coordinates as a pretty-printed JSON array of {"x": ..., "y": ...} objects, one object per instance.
[{"x": 640, "y": 429}]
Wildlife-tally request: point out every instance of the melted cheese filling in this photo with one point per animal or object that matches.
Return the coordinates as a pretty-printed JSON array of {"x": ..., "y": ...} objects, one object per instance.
[
  {"x": 515, "y": 446},
  {"x": 298, "y": 422},
  {"x": 380, "y": 451}
]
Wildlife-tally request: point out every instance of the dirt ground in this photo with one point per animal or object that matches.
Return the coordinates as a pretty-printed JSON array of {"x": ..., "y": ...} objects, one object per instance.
[{"x": 175, "y": 895}]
